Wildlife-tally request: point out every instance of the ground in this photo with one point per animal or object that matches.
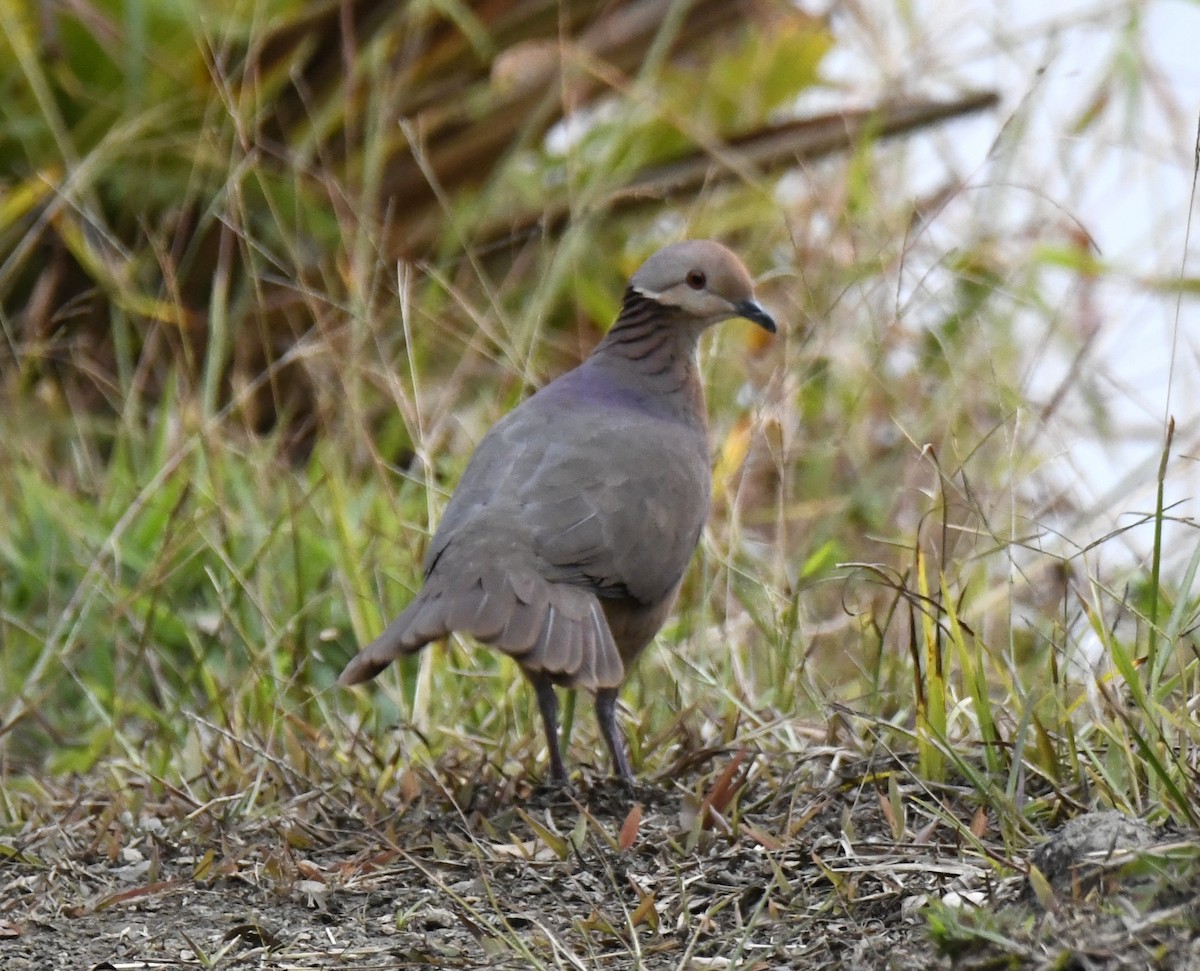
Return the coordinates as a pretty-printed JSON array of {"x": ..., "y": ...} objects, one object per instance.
[{"x": 746, "y": 863}]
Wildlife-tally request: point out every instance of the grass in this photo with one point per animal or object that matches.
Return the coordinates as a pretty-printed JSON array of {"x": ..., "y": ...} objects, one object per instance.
[{"x": 230, "y": 418}]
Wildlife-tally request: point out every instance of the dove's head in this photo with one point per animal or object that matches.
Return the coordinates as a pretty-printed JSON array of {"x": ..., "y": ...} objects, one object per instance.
[{"x": 703, "y": 280}]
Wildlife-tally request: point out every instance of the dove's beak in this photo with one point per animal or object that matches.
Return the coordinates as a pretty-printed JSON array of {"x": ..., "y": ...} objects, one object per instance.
[{"x": 752, "y": 310}]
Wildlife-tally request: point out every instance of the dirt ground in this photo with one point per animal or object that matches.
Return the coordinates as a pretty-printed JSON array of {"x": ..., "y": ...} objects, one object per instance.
[{"x": 746, "y": 864}]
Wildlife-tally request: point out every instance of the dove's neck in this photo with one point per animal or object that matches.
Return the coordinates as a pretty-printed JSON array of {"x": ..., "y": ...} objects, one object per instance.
[{"x": 657, "y": 350}]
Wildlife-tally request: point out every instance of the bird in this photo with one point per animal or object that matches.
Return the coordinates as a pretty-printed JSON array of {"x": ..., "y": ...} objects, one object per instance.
[{"x": 568, "y": 536}]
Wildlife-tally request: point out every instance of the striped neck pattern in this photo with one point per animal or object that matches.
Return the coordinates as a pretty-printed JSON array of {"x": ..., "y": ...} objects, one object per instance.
[{"x": 657, "y": 347}]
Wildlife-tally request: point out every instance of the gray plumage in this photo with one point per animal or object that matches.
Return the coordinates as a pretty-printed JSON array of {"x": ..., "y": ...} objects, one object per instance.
[{"x": 567, "y": 538}]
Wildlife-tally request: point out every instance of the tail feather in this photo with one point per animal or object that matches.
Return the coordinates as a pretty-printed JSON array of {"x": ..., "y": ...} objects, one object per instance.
[
  {"x": 552, "y": 628},
  {"x": 404, "y": 635},
  {"x": 536, "y": 658},
  {"x": 567, "y": 650},
  {"x": 610, "y": 665},
  {"x": 521, "y": 630},
  {"x": 481, "y": 611}
]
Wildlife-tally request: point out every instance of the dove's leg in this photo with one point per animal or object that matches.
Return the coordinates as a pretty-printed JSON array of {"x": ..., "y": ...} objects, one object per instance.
[
  {"x": 606, "y": 715},
  {"x": 548, "y": 705}
]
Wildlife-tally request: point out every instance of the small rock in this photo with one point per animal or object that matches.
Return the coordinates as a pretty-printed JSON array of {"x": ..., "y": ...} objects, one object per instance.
[
  {"x": 437, "y": 918},
  {"x": 1076, "y": 855}
]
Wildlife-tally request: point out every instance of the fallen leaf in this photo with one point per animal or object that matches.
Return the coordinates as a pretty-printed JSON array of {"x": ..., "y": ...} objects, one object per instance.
[{"x": 629, "y": 828}]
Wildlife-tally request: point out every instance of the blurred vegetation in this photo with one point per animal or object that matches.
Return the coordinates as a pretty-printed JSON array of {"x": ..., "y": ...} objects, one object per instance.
[{"x": 267, "y": 272}]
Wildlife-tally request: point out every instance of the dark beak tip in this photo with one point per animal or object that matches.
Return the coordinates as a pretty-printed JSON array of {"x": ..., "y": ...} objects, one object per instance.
[{"x": 753, "y": 311}]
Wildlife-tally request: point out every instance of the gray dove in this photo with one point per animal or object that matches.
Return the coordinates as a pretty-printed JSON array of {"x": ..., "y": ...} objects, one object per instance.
[{"x": 567, "y": 538}]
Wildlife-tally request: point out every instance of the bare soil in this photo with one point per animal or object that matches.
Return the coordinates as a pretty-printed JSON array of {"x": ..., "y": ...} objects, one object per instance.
[{"x": 743, "y": 864}]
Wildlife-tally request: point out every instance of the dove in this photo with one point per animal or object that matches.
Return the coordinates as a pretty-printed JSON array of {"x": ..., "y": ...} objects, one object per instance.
[{"x": 567, "y": 538}]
